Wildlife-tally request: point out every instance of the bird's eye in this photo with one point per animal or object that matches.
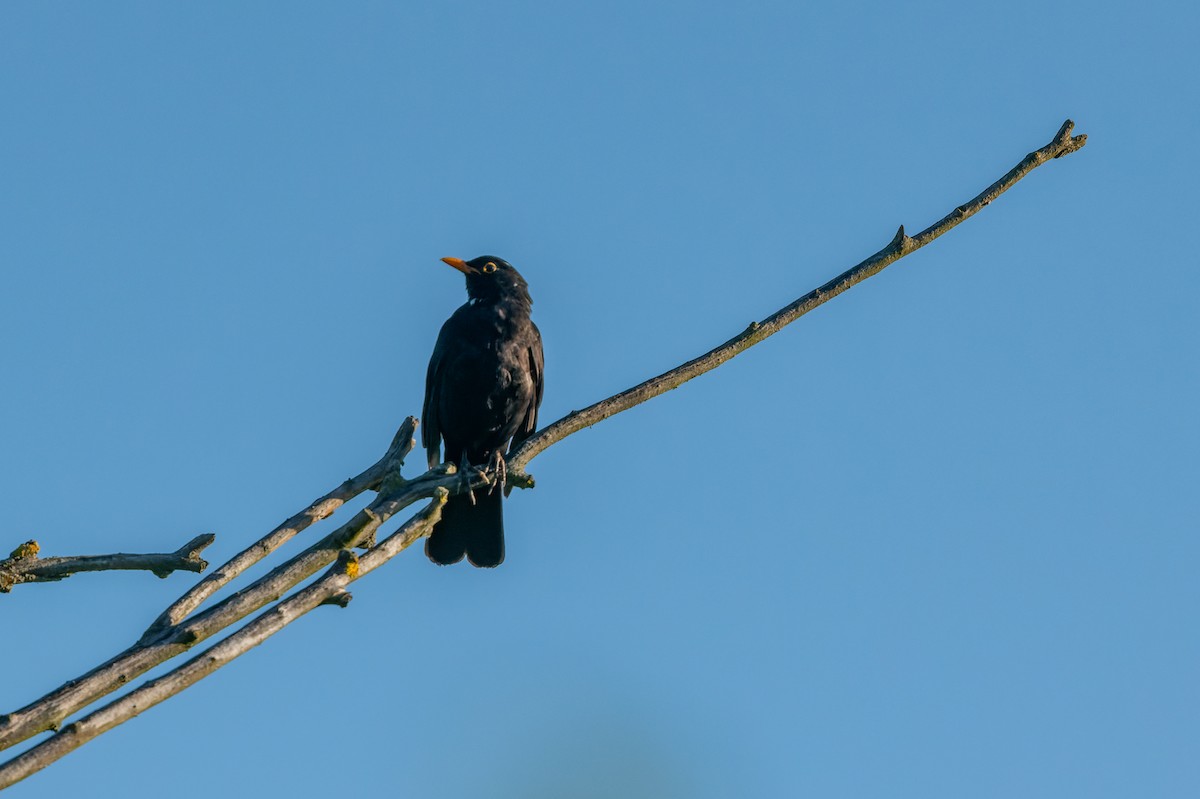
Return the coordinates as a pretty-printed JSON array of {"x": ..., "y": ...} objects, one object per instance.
[{"x": 489, "y": 267}]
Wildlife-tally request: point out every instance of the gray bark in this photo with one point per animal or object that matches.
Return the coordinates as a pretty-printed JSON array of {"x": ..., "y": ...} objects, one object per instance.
[{"x": 24, "y": 565}]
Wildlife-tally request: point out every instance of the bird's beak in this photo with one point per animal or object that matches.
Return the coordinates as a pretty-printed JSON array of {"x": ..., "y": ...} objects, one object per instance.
[{"x": 459, "y": 264}]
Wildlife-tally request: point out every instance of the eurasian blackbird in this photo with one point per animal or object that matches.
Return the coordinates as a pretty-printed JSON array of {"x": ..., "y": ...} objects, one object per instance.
[{"x": 482, "y": 393}]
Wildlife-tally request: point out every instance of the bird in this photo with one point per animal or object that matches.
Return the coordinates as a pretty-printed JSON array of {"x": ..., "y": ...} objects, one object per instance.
[{"x": 482, "y": 393}]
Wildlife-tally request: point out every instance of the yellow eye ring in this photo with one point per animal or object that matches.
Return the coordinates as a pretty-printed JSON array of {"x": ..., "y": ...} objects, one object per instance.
[{"x": 490, "y": 267}]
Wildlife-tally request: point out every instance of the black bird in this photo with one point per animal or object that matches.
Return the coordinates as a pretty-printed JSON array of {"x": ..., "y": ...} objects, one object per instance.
[{"x": 482, "y": 392}]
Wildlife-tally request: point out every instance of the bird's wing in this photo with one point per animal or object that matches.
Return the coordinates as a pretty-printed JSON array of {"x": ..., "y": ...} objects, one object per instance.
[
  {"x": 431, "y": 430},
  {"x": 536, "y": 367}
]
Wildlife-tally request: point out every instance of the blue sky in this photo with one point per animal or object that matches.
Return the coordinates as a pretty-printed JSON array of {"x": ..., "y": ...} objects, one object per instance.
[{"x": 938, "y": 538}]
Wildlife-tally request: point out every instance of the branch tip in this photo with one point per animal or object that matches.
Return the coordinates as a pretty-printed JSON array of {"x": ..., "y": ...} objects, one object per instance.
[
  {"x": 1071, "y": 146},
  {"x": 192, "y": 549},
  {"x": 520, "y": 479}
]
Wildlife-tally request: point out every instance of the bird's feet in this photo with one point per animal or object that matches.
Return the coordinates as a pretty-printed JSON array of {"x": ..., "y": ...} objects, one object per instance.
[
  {"x": 494, "y": 473},
  {"x": 498, "y": 471}
]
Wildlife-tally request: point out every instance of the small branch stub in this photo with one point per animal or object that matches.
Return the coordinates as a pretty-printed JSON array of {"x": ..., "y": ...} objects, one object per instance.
[
  {"x": 340, "y": 598},
  {"x": 901, "y": 243},
  {"x": 1067, "y": 143}
]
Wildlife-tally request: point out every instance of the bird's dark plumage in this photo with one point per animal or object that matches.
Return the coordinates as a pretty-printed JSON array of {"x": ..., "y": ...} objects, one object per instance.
[{"x": 482, "y": 394}]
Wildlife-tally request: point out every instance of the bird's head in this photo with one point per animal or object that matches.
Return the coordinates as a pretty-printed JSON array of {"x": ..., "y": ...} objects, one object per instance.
[{"x": 490, "y": 279}]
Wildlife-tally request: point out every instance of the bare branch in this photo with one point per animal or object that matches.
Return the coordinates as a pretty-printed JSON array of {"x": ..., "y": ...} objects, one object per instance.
[
  {"x": 369, "y": 480},
  {"x": 48, "y": 712},
  {"x": 24, "y": 565},
  {"x": 174, "y": 633},
  {"x": 900, "y": 246},
  {"x": 330, "y": 589}
]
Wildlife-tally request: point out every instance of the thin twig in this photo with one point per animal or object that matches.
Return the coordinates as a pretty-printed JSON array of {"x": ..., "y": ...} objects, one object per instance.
[
  {"x": 24, "y": 566},
  {"x": 900, "y": 246},
  {"x": 330, "y": 589}
]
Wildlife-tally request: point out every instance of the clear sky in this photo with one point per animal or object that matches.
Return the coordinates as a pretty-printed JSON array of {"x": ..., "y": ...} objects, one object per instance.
[{"x": 937, "y": 539}]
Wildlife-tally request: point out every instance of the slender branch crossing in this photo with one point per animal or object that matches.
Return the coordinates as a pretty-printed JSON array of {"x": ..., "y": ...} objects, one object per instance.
[
  {"x": 330, "y": 589},
  {"x": 321, "y": 508},
  {"x": 51, "y": 710}
]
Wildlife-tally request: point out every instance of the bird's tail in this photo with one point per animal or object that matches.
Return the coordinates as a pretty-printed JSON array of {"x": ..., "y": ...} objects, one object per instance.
[{"x": 476, "y": 531}]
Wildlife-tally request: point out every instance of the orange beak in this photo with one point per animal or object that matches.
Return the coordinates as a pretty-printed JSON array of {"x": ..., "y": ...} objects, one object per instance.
[{"x": 459, "y": 264}]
